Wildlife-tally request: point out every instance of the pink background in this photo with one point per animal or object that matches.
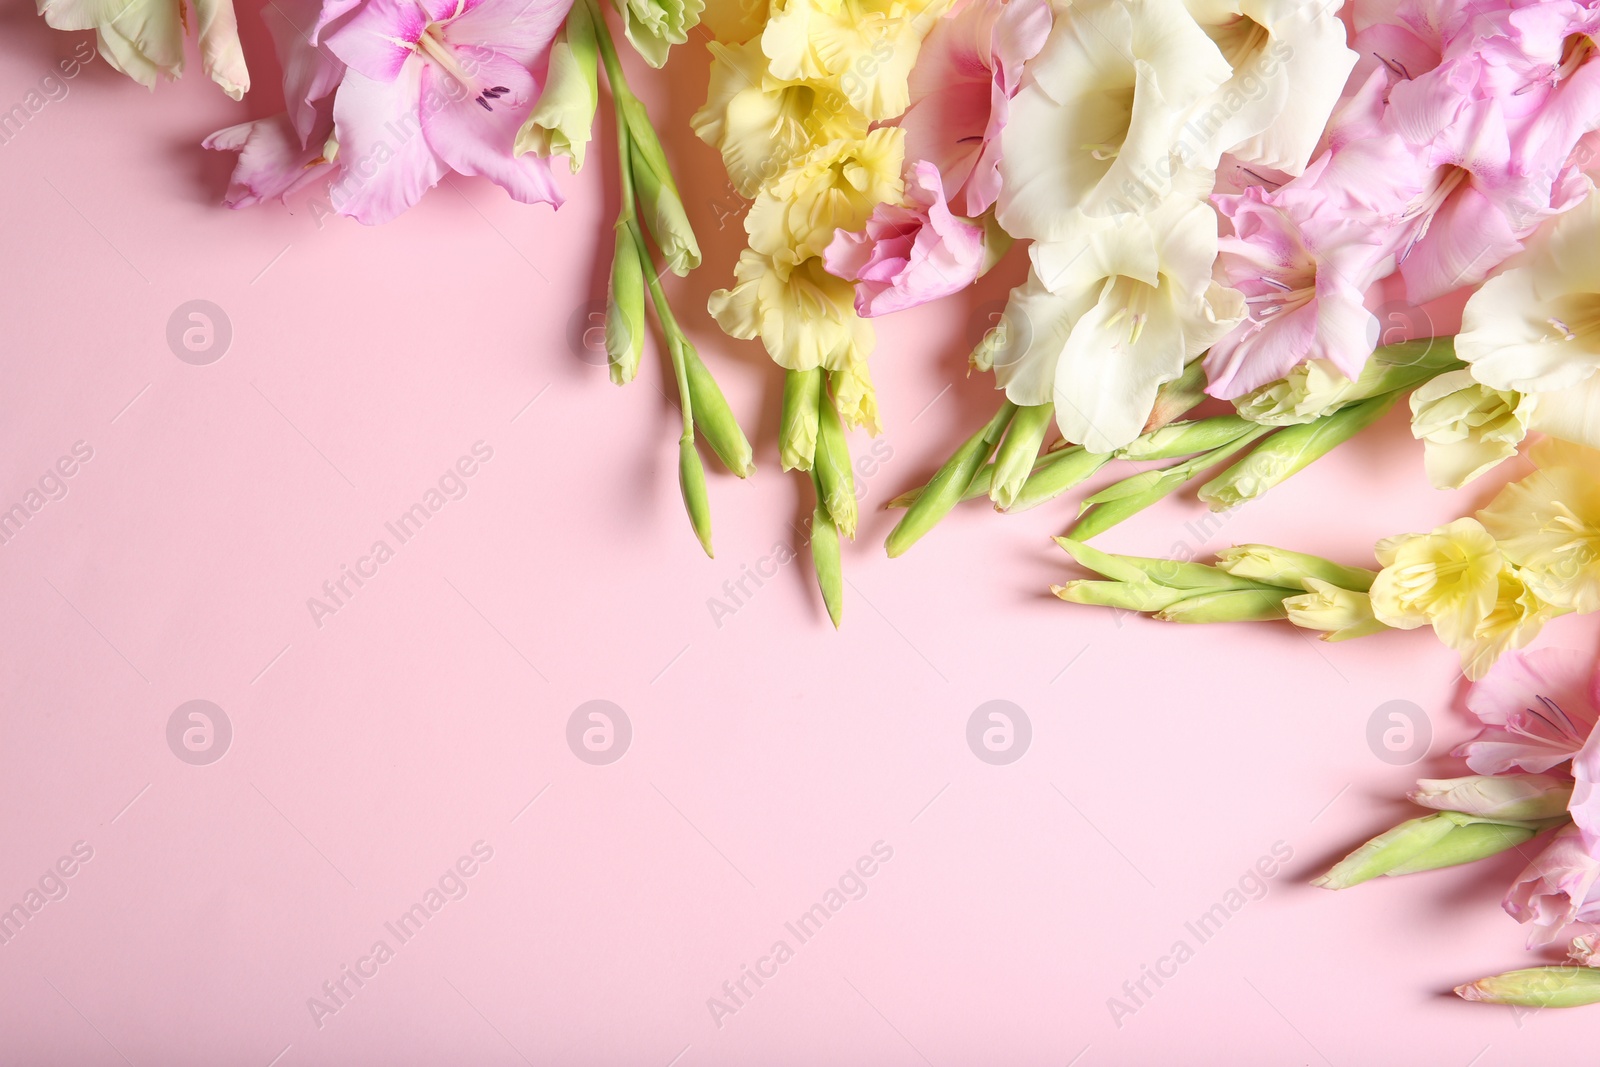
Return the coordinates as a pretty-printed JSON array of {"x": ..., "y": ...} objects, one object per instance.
[{"x": 768, "y": 754}]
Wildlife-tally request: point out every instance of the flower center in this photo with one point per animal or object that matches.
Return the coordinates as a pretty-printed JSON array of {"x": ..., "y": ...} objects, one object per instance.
[
  {"x": 433, "y": 45},
  {"x": 1131, "y": 299},
  {"x": 1576, "y": 318},
  {"x": 1118, "y": 111},
  {"x": 1441, "y": 184},
  {"x": 1238, "y": 39},
  {"x": 1575, "y": 52}
]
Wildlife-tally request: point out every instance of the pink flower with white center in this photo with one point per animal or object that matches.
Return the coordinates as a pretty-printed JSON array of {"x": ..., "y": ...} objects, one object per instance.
[
  {"x": 435, "y": 86},
  {"x": 908, "y": 255},
  {"x": 969, "y": 68},
  {"x": 1303, "y": 264}
]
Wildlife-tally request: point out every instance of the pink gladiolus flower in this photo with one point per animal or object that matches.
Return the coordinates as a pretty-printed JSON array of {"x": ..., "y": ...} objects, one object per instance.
[
  {"x": 968, "y": 70},
  {"x": 409, "y": 90},
  {"x": 1558, "y": 887},
  {"x": 1303, "y": 264},
  {"x": 1540, "y": 708},
  {"x": 908, "y": 255}
]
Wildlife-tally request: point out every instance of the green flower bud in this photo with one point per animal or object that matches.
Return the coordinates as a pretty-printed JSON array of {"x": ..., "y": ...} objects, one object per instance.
[
  {"x": 1018, "y": 454},
  {"x": 825, "y": 556},
  {"x": 836, "y": 485},
  {"x": 1566, "y": 986},
  {"x": 563, "y": 120},
  {"x": 625, "y": 309},
  {"x": 948, "y": 486},
  {"x": 1128, "y": 596},
  {"x": 1057, "y": 472},
  {"x": 1186, "y": 438},
  {"x": 1228, "y": 605},
  {"x": 664, "y": 215},
  {"x": 1172, "y": 573},
  {"x": 1421, "y": 844},
  {"x": 692, "y": 481},
  {"x": 797, "y": 427},
  {"x": 1465, "y": 844},
  {"x": 1132, "y": 495},
  {"x": 1277, "y": 566},
  {"x": 1290, "y": 451},
  {"x": 712, "y": 416}
]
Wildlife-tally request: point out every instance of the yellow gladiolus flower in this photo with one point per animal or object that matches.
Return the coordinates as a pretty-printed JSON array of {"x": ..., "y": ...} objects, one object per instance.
[
  {"x": 761, "y": 123},
  {"x": 863, "y": 48},
  {"x": 803, "y": 315},
  {"x": 835, "y": 186},
  {"x": 1549, "y": 525},
  {"x": 1515, "y": 620},
  {"x": 1449, "y": 578}
]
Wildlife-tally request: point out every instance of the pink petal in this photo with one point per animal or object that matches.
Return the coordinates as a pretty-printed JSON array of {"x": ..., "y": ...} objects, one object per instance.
[
  {"x": 1467, "y": 238},
  {"x": 375, "y": 39},
  {"x": 272, "y": 162},
  {"x": 386, "y": 163},
  {"x": 474, "y": 139}
]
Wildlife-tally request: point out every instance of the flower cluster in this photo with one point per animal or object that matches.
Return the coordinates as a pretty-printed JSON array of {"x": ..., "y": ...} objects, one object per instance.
[{"x": 1536, "y": 773}]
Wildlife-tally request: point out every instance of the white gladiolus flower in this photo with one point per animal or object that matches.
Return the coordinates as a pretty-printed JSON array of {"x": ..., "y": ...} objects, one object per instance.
[
  {"x": 1106, "y": 318},
  {"x": 1289, "y": 63},
  {"x": 144, "y": 38},
  {"x": 1534, "y": 328},
  {"x": 1095, "y": 128}
]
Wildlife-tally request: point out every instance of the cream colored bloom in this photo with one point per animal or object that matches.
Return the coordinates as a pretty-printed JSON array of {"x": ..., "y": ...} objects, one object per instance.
[
  {"x": 1106, "y": 318},
  {"x": 1467, "y": 427},
  {"x": 760, "y": 123},
  {"x": 803, "y": 315},
  {"x": 1515, "y": 619},
  {"x": 563, "y": 120},
  {"x": 835, "y": 186},
  {"x": 863, "y": 48},
  {"x": 654, "y": 26},
  {"x": 1535, "y": 327},
  {"x": 144, "y": 38},
  {"x": 1549, "y": 525},
  {"x": 1096, "y": 127},
  {"x": 1289, "y": 63},
  {"x": 1449, "y": 579},
  {"x": 1338, "y": 612}
]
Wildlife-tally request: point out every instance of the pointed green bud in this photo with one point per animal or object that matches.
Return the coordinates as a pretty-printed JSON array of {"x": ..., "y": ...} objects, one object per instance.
[
  {"x": 1132, "y": 495},
  {"x": 1465, "y": 844},
  {"x": 1018, "y": 453},
  {"x": 949, "y": 485},
  {"x": 825, "y": 556},
  {"x": 1567, "y": 986},
  {"x": 1128, "y": 596},
  {"x": 1290, "y": 451},
  {"x": 1058, "y": 472},
  {"x": 1175, "y": 574},
  {"x": 563, "y": 120},
  {"x": 836, "y": 487},
  {"x": 1277, "y": 566},
  {"x": 625, "y": 308},
  {"x": 1425, "y": 844},
  {"x": 1179, "y": 439},
  {"x": 797, "y": 427},
  {"x": 712, "y": 416},
  {"x": 664, "y": 215},
  {"x": 692, "y": 481},
  {"x": 1227, "y": 605}
]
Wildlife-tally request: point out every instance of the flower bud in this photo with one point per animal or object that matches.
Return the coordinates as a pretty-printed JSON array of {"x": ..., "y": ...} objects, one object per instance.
[
  {"x": 654, "y": 26},
  {"x": 825, "y": 556},
  {"x": 1507, "y": 796},
  {"x": 1467, "y": 428},
  {"x": 1057, "y": 472},
  {"x": 1277, "y": 566},
  {"x": 1537, "y": 987},
  {"x": 1227, "y": 605},
  {"x": 1341, "y": 614},
  {"x": 664, "y": 215},
  {"x": 797, "y": 426},
  {"x": 1128, "y": 596},
  {"x": 949, "y": 485},
  {"x": 625, "y": 308},
  {"x": 836, "y": 487},
  {"x": 563, "y": 120},
  {"x": 692, "y": 482},
  {"x": 1178, "y": 439},
  {"x": 1441, "y": 840},
  {"x": 1290, "y": 451},
  {"x": 1014, "y": 462},
  {"x": 712, "y": 415},
  {"x": 1316, "y": 389}
]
